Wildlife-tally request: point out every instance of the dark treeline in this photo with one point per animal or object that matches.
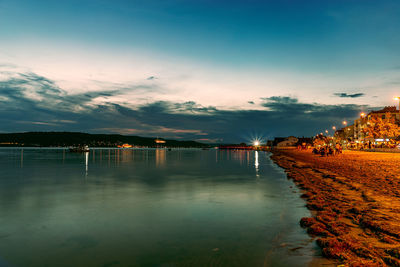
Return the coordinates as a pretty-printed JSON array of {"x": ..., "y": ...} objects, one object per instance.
[{"x": 64, "y": 139}]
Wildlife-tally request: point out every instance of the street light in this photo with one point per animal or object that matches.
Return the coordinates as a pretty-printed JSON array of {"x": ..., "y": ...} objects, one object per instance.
[
  {"x": 362, "y": 114},
  {"x": 344, "y": 123},
  {"x": 334, "y": 128},
  {"x": 397, "y": 98}
]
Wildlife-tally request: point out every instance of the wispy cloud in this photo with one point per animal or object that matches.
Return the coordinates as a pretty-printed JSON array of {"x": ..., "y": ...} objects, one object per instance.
[
  {"x": 345, "y": 95},
  {"x": 153, "y": 130},
  {"x": 37, "y": 123}
]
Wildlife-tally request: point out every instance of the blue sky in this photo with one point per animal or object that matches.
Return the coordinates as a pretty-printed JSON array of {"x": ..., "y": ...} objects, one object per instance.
[{"x": 232, "y": 61}]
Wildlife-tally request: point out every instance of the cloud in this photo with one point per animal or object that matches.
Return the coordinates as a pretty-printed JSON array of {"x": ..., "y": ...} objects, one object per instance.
[
  {"x": 349, "y": 95},
  {"x": 280, "y": 99},
  {"x": 30, "y": 102},
  {"x": 313, "y": 111},
  {"x": 151, "y": 78},
  {"x": 38, "y": 123},
  {"x": 153, "y": 130}
]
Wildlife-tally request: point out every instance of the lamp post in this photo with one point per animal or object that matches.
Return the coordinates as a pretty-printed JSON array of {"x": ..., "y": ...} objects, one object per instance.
[
  {"x": 344, "y": 132},
  {"x": 333, "y": 135},
  {"x": 398, "y": 98}
]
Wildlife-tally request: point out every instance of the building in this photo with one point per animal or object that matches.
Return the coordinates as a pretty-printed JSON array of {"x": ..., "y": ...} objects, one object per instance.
[
  {"x": 359, "y": 125},
  {"x": 348, "y": 133},
  {"x": 362, "y": 122},
  {"x": 287, "y": 141},
  {"x": 304, "y": 141},
  {"x": 345, "y": 135}
]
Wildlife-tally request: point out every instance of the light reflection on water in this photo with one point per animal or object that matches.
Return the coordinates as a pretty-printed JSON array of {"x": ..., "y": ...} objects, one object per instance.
[
  {"x": 127, "y": 207},
  {"x": 256, "y": 163},
  {"x": 86, "y": 162}
]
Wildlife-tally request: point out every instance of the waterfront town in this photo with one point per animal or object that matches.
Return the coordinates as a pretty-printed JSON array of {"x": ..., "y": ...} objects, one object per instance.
[{"x": 378, "y": 130}]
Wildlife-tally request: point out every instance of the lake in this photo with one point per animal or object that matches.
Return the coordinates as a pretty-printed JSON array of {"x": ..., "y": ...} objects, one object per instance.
[{"x": 149, "y": 207}]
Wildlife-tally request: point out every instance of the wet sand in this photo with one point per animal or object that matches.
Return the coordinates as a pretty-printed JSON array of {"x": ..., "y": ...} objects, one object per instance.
[{"x": 355, "y": 201}]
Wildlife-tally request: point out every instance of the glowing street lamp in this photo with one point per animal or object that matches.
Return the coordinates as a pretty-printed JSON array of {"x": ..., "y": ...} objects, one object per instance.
[
  {"x": 344, "y": 123},
  {"x": 256, "y": 143},
  {"x": 397, "y": 98},
  {"x": 362, "y": 115},
  {"x": 334, "y": 128}
]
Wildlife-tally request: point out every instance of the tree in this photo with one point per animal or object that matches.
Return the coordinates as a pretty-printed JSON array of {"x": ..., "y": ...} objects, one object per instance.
[
  {"x": 319, "y": 141},
  {"x": 378, "y": 127}
]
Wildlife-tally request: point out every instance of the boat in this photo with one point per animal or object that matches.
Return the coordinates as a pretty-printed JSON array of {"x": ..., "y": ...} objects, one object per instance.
[{"x": 79, "y": 149}]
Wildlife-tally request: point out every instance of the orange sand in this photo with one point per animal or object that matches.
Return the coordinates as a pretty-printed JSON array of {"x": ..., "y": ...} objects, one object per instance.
[{"x": 355, "y": 199}]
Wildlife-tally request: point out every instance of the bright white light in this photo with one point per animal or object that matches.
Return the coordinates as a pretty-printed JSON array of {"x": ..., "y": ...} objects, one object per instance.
[{"x": 256, "y": 143}]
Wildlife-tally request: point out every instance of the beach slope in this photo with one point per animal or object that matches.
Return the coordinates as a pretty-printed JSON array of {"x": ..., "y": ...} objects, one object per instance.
[{"x": 355, "y": 201}]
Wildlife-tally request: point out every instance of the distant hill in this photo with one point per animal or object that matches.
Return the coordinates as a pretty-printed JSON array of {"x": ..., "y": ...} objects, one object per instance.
[{"x": 65, "y": 139}]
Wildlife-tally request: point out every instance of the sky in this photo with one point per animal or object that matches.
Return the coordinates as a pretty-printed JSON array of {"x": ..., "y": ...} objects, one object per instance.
[{"x": 211, "y": 71}]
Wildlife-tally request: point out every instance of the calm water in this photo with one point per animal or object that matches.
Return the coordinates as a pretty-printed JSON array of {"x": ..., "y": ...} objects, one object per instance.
[{"x": 148, "y": 208}]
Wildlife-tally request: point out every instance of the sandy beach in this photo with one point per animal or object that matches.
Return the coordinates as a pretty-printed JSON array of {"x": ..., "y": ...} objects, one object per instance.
[{"x": 355, "y": 201}]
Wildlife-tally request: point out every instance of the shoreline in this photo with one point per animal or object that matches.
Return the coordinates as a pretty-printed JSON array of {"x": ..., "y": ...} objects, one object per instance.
[{"x": 354, "y": 201}]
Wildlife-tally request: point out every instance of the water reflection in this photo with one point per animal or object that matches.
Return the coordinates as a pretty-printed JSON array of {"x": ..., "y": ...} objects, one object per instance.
[
  {"x": 176, "y": 214},
  {"x": 87, "y": 163},
  {"x": 256, "y": 163},
  {"x": 160, "y": 157}
]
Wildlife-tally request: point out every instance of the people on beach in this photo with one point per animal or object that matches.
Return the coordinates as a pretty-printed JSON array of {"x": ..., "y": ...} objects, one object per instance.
[
  {"x": 302, "y": 146},
  {"x": 328, "y": 150}
]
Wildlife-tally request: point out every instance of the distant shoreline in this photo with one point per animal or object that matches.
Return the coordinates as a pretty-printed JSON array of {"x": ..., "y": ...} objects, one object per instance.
[
  {"x": 69, "y": 139},
  {"x": 94, "y": 148},
  {"x": 355, "y": 202}
]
